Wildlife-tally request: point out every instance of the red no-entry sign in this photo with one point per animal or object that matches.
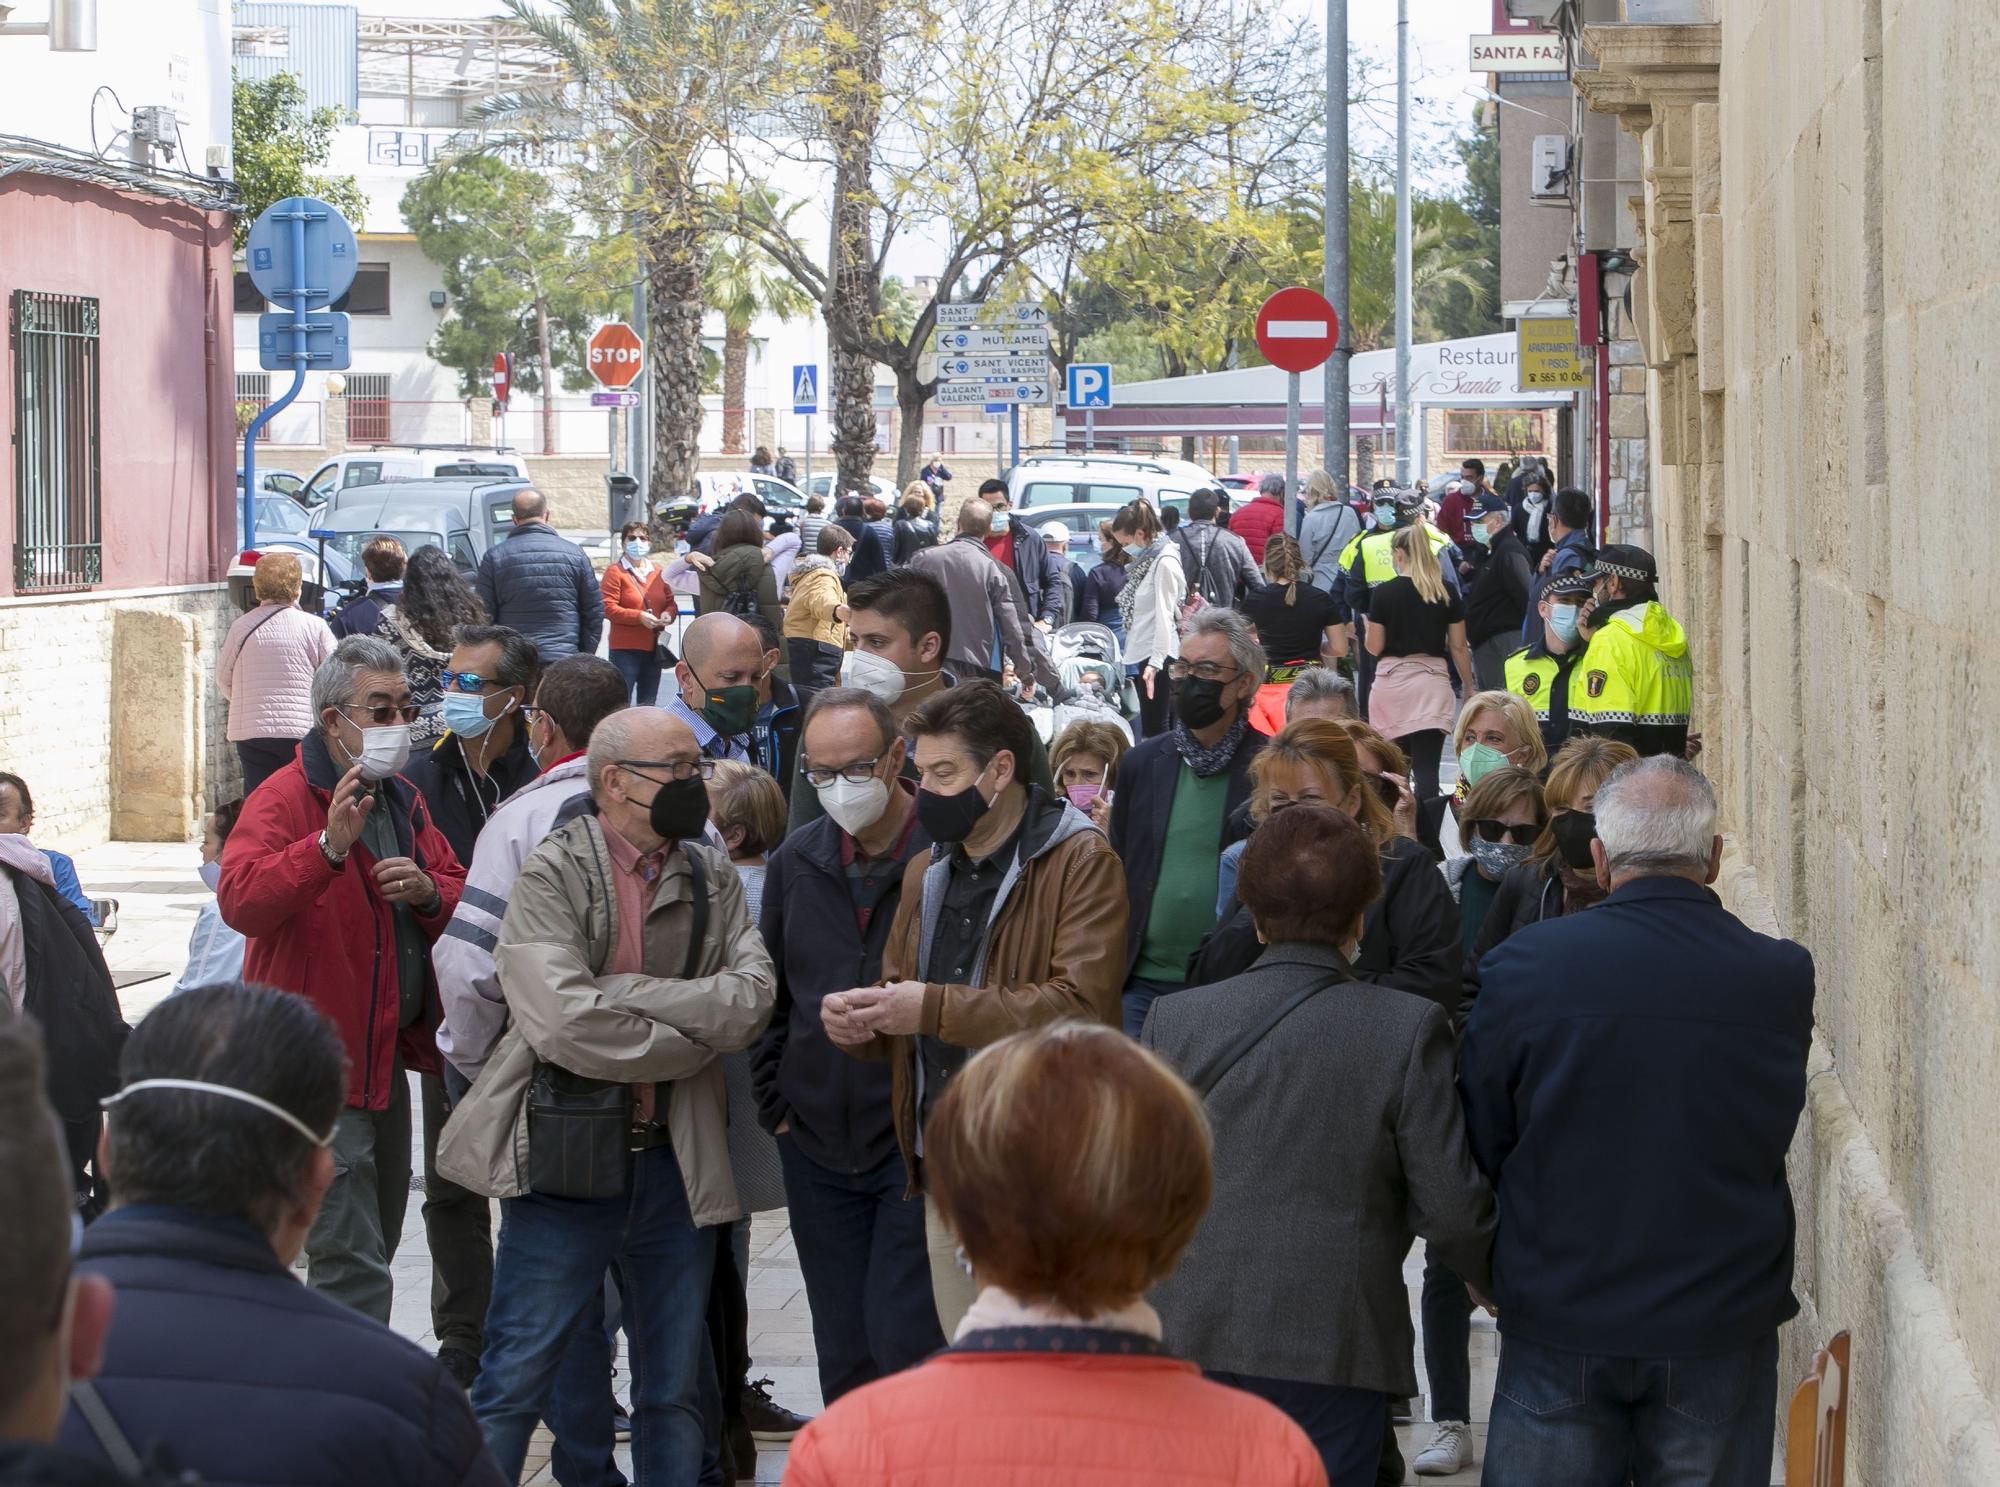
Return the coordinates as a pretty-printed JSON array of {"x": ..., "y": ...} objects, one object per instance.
[
  {"x": 616, "y": 354},
  {"x": 503, "y": 376},
  {"x": 1297, "y": 329}
]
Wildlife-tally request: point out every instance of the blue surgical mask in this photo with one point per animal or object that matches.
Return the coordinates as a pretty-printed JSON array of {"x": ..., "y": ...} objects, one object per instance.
[
  {"x": 1385, "y": 516},
  {"x": 637, "y": 549},
  {"x": 1479, "y": 533},
  {"x": 1134, "y": 550},
  {"x": 1001, "y": 522},
  {"x": 1562, "y": 623},
  {"x": 465, "y": 714}
]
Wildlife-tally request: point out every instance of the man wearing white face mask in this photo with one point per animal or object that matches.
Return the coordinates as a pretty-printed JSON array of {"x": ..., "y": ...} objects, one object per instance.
[
  {"x": 339, "y": 881},
  {"x": 830, "y": 894}
]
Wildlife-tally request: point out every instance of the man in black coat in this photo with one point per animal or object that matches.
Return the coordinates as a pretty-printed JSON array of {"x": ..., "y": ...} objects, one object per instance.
[
  {"x": 540, "y": 583},
  {"x": 1632, "y": 1079},
  {"x": 830, "y": 894},
  {"x": 1499, "y": 594},
  {"x": 216, "y": 1353}
]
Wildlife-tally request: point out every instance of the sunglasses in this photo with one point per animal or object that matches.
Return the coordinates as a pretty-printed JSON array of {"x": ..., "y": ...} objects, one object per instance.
[
  {"x": 1499, "y": 831},
  {"x": 381, "y": 717},
  {"x": 466, "y": 681}
]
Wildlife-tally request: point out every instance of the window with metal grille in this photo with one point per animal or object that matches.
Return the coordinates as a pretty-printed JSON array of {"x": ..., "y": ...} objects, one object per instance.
[
  {"x": 57, "y": 476},
  {"x": 368, "y": 407},
  {"x": 253, "y": 396}
]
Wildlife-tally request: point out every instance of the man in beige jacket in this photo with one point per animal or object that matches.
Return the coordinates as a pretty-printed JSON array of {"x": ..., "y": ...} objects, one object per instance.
[{"x": 629, "y": 962}]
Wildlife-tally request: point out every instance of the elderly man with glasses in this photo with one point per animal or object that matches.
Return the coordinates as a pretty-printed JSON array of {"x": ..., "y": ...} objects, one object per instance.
[{"x": 340, "y": 882}]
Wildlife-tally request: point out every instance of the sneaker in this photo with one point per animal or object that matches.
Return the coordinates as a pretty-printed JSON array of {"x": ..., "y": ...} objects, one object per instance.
[
  {"x": 769, "y": 1420},
  {"x": 1450, "y": 1450},
  {"x": 461, "y": 1365}
]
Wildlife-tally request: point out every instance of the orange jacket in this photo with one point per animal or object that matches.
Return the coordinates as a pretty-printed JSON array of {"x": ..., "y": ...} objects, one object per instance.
[
  {"x": 624, "y": 599},
  {"x": 987, "y": 1419}
]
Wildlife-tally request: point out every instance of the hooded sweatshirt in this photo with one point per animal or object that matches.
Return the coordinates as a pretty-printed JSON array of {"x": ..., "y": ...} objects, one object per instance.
[{"x": 1635, "y": 681}]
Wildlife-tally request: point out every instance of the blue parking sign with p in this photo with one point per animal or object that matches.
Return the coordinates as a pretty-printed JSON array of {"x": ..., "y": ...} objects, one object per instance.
[
  {"x": 805, "y": 390},
  {"x": 1089, "y": 385}
]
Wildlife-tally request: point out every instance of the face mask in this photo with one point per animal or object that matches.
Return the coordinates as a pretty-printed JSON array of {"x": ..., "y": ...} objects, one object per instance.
[
  {"x": 729, "y": 710},
  {"x": 1199, "y": 702},
  {"x": 951, "y": 818},
  {"x": 1083, "y": 797},
  {"x": 465, "y": 714},
  {"x": 384, "y": 751},
  {"x": 1494, "y": 858},
  {"x": 1001, "y": 522},
  {"x": 635, "y": 549},
  {"x": 1480, "y": 534},
  {"x": 1385, "y": 517},
  {"x": 854, "y": 808},
  {"x": 1134, "y": 550},
  {"x": 873, "y": 673},
  {"x": 1574, "y": 831},
  {"x": 211, "y": 875},
  {"x": 1562, "y": 623},
  {"x": 1478, "y": 761},
  {"x": 680, "y": 811},
  {"x": 1537, "y": 494}
]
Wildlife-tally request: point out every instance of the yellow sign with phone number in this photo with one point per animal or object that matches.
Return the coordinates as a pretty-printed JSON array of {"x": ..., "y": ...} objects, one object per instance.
[{"x": 1549, "y": 357}]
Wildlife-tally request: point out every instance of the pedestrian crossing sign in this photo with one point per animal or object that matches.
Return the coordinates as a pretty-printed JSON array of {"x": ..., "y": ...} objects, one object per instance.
[{"x": 805, "y": 390}]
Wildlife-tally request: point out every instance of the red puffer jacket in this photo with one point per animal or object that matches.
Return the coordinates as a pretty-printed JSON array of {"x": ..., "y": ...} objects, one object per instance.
[
  {"x": 1084, "y": 1420},
  {"x": 327, "y": 933},
  {"x": 1256, "y": 521}
]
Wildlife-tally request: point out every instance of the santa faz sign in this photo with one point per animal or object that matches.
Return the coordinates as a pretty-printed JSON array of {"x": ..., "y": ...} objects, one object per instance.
[{"x": 1522, "y": 51}]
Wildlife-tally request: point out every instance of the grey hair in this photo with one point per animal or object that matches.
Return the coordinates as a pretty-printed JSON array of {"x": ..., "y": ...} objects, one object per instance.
[
  {"x": 1232, "y": 627},
  {"x": 1271, "y": 485},
  {"x": 333, "y": 683},
  {"x": 1656, "y": 814},
  {"x": 1318, "y": 684}
]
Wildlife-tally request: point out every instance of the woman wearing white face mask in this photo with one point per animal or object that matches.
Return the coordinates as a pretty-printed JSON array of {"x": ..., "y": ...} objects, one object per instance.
[
  {"x": 638, "y": 604},
  {"x": 215, "y": 951}
]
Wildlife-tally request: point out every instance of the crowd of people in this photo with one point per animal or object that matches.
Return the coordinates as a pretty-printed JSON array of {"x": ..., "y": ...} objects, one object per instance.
[{"x": 1107, "y": 1079}]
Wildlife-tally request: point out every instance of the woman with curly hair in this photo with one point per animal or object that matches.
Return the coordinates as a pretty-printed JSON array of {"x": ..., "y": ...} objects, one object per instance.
[{"x": 436, "y": 601}]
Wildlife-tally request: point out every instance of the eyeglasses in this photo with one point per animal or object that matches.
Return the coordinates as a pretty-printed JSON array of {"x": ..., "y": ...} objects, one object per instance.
[
  {"x": 676, "y": 769},
  {"x": 466, "y": 681},
  {"x": 381, "y": 717},
  {"x": 859, "y": 772},
  {"x": 1496, "y": 831},
  {"x": 1206, "y": 671}
]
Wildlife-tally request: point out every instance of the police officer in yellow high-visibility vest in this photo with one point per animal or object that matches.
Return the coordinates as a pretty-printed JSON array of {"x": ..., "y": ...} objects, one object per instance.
[
  {"x": 1366, "y": 561},
  {"x": 1635, "y": 682},
  {"x": 1542, "y": 672}
]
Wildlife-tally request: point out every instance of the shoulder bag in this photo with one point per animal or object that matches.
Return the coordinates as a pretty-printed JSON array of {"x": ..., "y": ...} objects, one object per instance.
[{"x": 1233, "y": 1055}]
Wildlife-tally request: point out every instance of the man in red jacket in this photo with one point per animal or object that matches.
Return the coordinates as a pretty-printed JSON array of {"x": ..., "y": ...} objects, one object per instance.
[
  {"x": 339, "y": 881},
  {"x": 1260, "y": 519}
]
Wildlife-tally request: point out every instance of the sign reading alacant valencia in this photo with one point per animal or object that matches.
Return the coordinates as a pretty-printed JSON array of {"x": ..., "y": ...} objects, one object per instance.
[{"x": 1523, "y": 51}]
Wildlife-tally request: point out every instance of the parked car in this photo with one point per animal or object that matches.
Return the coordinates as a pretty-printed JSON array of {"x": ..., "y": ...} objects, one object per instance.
[
  {"x": 277, "y": 482},
  {"x": 1082, "y": 519},
  {"x": 463, "y": 517},
  {"x": 386, "y": 462},
  {"x": 822, "y": 485},
  {"x": 320, "y": 590},
  {"x": 1097, "y": 479}
]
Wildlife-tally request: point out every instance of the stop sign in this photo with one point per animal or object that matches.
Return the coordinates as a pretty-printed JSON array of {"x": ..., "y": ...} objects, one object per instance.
[
  {"x": 1297, "y": 329},
  {"x": 617, "y": 355}
]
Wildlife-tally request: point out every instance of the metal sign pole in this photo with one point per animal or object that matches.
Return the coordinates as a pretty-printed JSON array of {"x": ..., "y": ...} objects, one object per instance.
[
  {"x": 809, "y": 452},
  {"x": 1292, "y": 453},
  {"x": 1090, "y": 431},
  {"x": 1014, "y": 432}
]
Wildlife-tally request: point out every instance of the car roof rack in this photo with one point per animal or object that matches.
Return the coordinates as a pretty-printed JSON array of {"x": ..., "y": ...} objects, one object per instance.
[{"x": 450, "y": 448}]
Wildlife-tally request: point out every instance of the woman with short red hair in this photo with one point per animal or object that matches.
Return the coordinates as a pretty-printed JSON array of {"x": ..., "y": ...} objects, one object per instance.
[{"x": 1073, "y": 1167}]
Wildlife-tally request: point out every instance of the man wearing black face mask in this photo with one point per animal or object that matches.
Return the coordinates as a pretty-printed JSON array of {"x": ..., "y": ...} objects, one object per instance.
[
  {"x": 627, "y": 955},
  {"x": 718, "y": 678},
  {"x": 1177, "y": 792}
]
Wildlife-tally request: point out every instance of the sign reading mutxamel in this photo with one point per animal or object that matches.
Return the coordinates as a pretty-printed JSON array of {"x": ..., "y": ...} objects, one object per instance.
[{"x": 1549, "y": 357}]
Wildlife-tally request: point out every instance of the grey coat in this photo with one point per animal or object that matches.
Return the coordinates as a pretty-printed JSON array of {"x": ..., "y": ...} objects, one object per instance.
[{"x": 1338, "y": 1138}]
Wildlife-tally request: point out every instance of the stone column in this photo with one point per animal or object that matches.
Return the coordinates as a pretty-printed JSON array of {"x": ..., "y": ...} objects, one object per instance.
[{"x": 333, "y": 426}]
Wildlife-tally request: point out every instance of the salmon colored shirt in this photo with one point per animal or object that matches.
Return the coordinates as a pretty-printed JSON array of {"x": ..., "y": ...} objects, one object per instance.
[{"x": 633, "y": 875}]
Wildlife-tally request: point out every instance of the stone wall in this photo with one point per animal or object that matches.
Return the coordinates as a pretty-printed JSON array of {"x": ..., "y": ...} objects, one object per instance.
[
  {"x": 108, "y": 708},
  {"x": 1815, "y": 320}
]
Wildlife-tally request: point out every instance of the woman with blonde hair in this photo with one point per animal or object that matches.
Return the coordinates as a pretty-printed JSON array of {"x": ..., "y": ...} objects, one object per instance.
[
  {"x": 1058, "y": 1372},
  {"x": 1084, "y": 765},
  {"x": 1494, "y": 730},
  {"x": 1299, "y": 625},
  {"x": 266, "y": 670},
  {"x": 1330, "y": 523},
  {"x": 1409, "y": 937},
  {"x": 1416, "y": 620},
  {"x": 1387, "y": 769}
]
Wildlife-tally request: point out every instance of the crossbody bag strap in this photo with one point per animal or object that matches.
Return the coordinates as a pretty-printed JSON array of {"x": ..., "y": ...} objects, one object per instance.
[
  {"x": 1234, "y": 1055},
  {"x": 698, "y": 925}
]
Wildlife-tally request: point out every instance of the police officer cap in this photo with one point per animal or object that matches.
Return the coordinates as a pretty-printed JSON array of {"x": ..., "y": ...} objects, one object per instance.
[
  {"x": 1620, "y": 560},
  {"x": 1574, "y": 584},
  {"x": 1490, "y": 503},
  {"x": 1408, "y": 502}
]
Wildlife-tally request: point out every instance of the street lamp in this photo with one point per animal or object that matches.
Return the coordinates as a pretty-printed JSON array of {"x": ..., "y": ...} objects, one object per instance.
[{"x": 1615, "y": 269}]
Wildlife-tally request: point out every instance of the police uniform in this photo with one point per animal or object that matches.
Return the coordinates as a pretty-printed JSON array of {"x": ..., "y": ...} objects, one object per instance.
[
  {"x": 1543, "y": 677},
  {"x": 1636, "y": 681}
]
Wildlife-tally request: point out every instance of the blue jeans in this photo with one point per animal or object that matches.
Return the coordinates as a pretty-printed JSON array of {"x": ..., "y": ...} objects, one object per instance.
[
  {"x": 866, "y": 1266},
  {"x": 1566, "y": 1418},
  {"x": 641, "y": 670},
  {"x": 1346, "y": 1426},
  {"x": 1138, "y": 1001},
  {"x": 580, "y": 1400},
  {"x": 548, "y": 1276}
]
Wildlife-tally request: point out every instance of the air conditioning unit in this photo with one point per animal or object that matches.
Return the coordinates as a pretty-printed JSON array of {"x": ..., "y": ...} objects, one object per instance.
[
  {"x": 1533, "y": 10},
  {"x": 1548, "y": 168}
]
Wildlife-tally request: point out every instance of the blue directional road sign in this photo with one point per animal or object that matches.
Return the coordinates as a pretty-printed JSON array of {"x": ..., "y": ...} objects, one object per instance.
[
  {"x": 327, "y": 269},
  {"x": 1089, "y": 385},
  {"x": 805, "y": 390}
]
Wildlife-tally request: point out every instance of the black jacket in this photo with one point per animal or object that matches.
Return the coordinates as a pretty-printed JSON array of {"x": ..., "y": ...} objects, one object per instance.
[
  {"x": 70, "y": 994},
  {"x": 1147, "y": 778},
  {"x": 774, "y": 739},
  {"x": 913, "y": 536},
  {"x": 839, "y": 1107},
  {"x": 868, "y": 557},
  {"x": 31, "y": 1464},
  {"x": 540, "y": 583},
  {"x": 1409, "y": 936},
  {"x": 1527, "y": 895},
  {"x": 1097, "y": 595},
  {"x": 248, "y": 1377},
  {"x": 362, "y": 614},
  {"x": 1031, "y": 566},
  {"x": 460, "y": 800},
  {"x": 1499, "y": 595},
  {"x": 1633, "y": 1077}
]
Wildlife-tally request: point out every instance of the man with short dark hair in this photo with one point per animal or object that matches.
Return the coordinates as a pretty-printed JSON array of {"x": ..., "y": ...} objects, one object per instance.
[
  {"x": 1540, "y": 671},
  {"x": 986, "y": 624},
  {"x": 1572, "y": 551},
  {"x": 1659, "y": 1047},
  {"x": 1461, "y": 498},
  {"x": 382, "y": 560},
  {"x": 1021, "y": 551},
  {"x": 540, "y": 583},
  {"x": 218, "y": 1146},
  {"x": 1217, "y": 562},
  {"x": 831, "y": 892},
  {"x": 1015, "y": 918}
]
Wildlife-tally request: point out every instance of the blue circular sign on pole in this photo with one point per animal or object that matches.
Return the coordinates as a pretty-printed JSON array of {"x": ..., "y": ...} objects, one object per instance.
[{"x": 320, "y": 260}]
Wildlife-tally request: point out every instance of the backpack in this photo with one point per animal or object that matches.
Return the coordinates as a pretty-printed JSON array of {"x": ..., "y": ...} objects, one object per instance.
[
  {"x": 1204, "y": 587},
  {"x": 740, "y": 602}
]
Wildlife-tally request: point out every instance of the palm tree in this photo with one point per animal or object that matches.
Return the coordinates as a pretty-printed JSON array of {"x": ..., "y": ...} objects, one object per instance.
[
  {"x": 1438, "y": 262},
  {"x": 740, "y": 283}
]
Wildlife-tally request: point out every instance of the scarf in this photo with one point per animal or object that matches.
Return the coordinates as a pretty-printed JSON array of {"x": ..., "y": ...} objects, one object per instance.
[
  {"x": 1135, "y": 576},
  {"x": 994, "y": 1309},
  {"x": 1207, "y": 762},
  {"x": 1580, "y": 891}
]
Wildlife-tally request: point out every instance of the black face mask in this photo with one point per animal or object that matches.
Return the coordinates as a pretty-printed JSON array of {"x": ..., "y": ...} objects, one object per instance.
[
  {"x": 1199, "y": 702},
  {"x": 1574, "y": 832},
  {"x": 680, "y": 810},
  {"x": 952, "y": 818}
]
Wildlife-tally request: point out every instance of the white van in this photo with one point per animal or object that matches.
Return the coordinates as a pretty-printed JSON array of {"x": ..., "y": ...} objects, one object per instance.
[
  {"x": 381, "y": 462},
  {"x": 1098, "y": 479}
]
